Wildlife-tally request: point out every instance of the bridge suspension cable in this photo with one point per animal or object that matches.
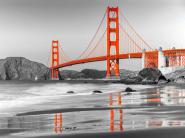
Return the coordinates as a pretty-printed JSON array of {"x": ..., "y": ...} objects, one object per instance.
[
  {"x": 63, "y": 55},
  {"x": 94, "y": 36},
  {"x": 97, "y": 44},
  {"x": 130, "y": 38},
  {"x": 100, "y": 40},
  {"x": 130, "y": 26},
  {"x": 49, "y": 59}
]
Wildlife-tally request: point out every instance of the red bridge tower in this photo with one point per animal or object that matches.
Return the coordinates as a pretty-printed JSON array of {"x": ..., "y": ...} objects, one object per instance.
[
  {"x": 55, "y": 60},
  {"x": 113, "y": 41}
]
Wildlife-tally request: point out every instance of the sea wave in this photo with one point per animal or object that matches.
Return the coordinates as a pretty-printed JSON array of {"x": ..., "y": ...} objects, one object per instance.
[{"x": 24, "y": 95}]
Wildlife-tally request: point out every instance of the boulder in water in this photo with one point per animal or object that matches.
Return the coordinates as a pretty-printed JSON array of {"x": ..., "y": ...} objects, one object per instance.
[
  {"x": 151, "y": 76},
  {"x": 128, "y": 89},
  {"x": 149, "y": 81},
  {"x": 97, "y": 91},
  {"x": 131, "y": 80},
  {"x": 71, "y": 92}
]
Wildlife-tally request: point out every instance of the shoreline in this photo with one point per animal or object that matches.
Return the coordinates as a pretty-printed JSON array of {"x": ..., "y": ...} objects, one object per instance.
[
  {"x": 171, "y": 132},
  {"x": 86, "y": 81},
  {"x": 86, "y": 116},
  {"x": 79, "y": 109},
  {"x": 69, "y": 110},
  {"x": 94, "y": 81}
]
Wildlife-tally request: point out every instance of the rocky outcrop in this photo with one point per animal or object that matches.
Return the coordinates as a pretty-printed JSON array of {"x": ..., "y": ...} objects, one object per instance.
[
  {"x": 131, "y": 80},
  {"x": 70, "y": 92},
  {"x": 128, "y": 73},
  {"x": 19, "y": 68},
  {"x": 146, "y": 76},
  {"x": 177, "y": 76},
  {"x": 97, "y": 91},
  {"x": 130, "y": 77},
  {"x": 180, "y": 80},
  {"x": 151, "y": 76},
  {"x": 128, "y": 89}
]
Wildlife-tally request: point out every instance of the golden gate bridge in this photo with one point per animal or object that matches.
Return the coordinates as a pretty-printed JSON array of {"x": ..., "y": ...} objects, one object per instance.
[{"x": 117, "y": 40}]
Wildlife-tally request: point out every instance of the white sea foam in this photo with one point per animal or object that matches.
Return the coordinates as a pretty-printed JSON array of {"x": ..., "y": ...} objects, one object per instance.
[{"x": 32, "y": 94}]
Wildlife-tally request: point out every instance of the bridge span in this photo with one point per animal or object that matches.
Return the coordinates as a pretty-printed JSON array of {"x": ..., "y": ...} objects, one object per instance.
[
  {"x": 118, "y": 41},
  {"x": 95, "y": 59}
]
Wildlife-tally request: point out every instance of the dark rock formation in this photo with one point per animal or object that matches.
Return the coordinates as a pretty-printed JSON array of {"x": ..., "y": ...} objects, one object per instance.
[
  {"x": 151, "y": 76},
  {"x": 128, "y": 74},
  {"x": 71, "y": 92},
  {"x": 180, "y": 80},
  {"x": 149, "y": 81},
  {"x": 150, "y": 73},
  {"x": 130, "y": 77},
  {"x": 19, "y": 68},
  {"x": 97, "y": 91},
  {"x": 128, "y": 89},
  {"x": 161, "y": 81},
  {"x": 145, "y": 76},
  {"x": 131, "y": 80},
  {"x": 177, "y": 76}
]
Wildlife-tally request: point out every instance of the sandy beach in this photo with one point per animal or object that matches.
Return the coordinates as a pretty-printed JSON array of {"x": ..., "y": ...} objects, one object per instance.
[
  {"x": 152, "y": 133},
  {"x": 149, "y": 112}
]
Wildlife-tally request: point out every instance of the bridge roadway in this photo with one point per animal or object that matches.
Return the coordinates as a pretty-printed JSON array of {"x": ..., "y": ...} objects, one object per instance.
[{"x": 171, "y": 52}]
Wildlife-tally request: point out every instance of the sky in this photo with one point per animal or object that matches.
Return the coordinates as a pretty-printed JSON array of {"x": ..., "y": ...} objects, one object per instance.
[{"x": 27, "y": 27}]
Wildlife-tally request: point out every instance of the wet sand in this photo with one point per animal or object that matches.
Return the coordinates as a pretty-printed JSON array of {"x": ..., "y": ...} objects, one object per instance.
[
  {"x": 4, "y": 132},
  {"x": 149, "y": 113},
  {"x": 151, "y": 133},
  {"x": 52, "y": 111}
]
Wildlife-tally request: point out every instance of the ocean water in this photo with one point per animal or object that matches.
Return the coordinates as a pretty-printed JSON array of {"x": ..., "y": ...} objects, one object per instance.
[
  {"x": 32, "y": 109},
  {"x": 18, "y": 96}
]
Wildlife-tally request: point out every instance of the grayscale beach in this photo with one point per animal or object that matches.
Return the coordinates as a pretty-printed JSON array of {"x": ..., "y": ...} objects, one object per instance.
[
  {"x": 92, "y": 69},
  {"x": 45, "y": 110}
]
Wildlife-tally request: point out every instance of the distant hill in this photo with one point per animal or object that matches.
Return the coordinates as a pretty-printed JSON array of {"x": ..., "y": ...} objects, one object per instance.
[
  {"x": 20, "y": 68},
  {"x": 66, "y": 74},
  {"x": 92, "y": 74}
]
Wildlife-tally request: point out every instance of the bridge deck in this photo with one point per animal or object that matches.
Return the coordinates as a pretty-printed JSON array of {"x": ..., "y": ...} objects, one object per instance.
[
  {"x": 121, "y": 56},
  {"x": 95, "y": 59}
]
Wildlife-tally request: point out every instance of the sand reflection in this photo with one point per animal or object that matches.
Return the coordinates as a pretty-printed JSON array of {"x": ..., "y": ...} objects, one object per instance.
[
  {"x": 113, "y": 112},
  {"x": 58, "y": 122},
  {"x": 105, "y": 113}
]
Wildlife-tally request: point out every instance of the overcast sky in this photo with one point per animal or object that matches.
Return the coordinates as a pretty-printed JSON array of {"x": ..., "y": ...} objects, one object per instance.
[{"x": 27, "y": 27}]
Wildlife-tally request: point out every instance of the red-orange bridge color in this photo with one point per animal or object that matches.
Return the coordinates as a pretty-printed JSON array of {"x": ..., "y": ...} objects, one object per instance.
[{"x": 121, "y": 41}]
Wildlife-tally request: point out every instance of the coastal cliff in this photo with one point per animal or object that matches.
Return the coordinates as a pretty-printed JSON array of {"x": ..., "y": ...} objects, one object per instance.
[{"x": 20, "y": 68}]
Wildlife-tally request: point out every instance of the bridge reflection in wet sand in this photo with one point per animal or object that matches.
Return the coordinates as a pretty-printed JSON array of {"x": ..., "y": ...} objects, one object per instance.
[{"x": 125, "y": 111}]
